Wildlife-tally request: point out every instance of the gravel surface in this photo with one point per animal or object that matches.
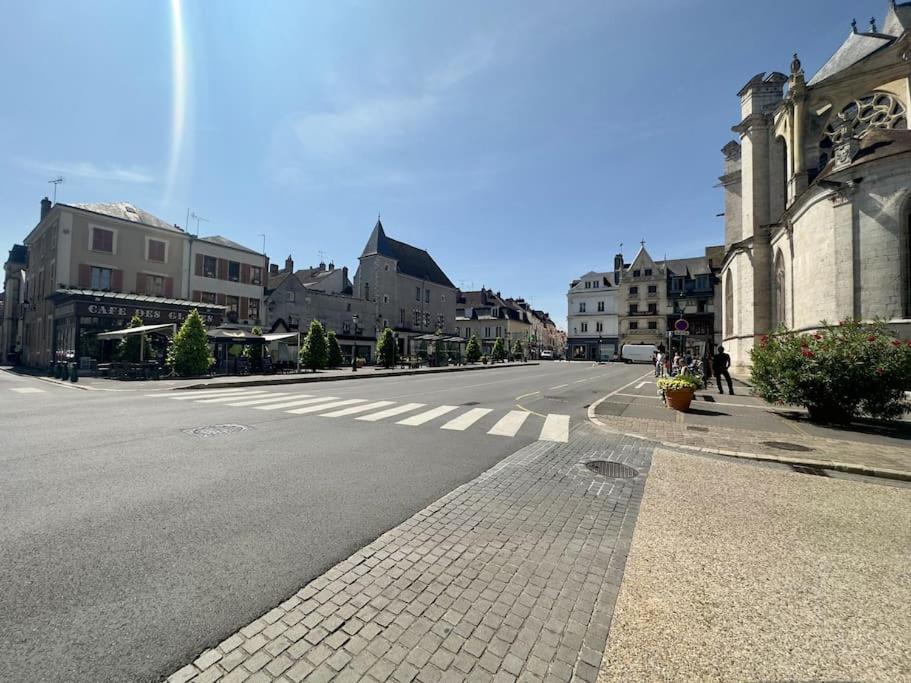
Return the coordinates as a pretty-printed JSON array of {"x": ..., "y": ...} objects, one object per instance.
[{"x": 741, "y": 573}]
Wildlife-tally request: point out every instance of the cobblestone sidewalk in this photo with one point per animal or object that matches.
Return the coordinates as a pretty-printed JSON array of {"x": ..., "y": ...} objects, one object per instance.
[{"x": 511, "y": 576}]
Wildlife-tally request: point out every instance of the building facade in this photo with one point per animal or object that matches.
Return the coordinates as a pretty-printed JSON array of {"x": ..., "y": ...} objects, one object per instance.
[
  {"x": 487, "y": 315},
  {"x": 406, "y": 289},
  {"x": 593, "y": 322},
  {"x": 14, "y": 273},
  {"x": 643, "y": 301},
  {"x": 694, "y": 297},
  {"x": 228, "y": 274},
  {"x": 818, "y": 192}
]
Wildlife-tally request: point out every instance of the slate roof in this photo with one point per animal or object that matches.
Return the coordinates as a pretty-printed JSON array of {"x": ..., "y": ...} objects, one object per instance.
[
  {"x": 225, "y": 242},
  {"x": 688, "y": 266},
  {"x": 411, "y": 260},
  {"x": 857, "y": 47},
  {"x": 898, "y": 19},
  {"x": 126, "y": 212},
  {"x": 18, "y": 254}
]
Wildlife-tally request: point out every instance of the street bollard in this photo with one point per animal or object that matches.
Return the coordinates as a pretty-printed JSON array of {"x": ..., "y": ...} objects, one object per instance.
[
  {"x": 74, "y": 372},
  {"x": 58, "y": 370},
  {"x": 50, "y": 370}
]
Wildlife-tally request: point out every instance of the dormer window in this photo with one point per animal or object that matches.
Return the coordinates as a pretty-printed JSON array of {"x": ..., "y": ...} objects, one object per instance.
[{"x": 636, "y": 273}]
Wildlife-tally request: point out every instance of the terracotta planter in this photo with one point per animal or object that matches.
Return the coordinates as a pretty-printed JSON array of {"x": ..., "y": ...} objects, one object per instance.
[{"x": 679, "y": 399}]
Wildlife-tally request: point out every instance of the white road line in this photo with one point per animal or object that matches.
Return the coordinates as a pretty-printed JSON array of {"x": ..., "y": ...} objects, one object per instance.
[
  {"x": 510, "y": 423},
  {"x": 27, "y": 390},
  {"x": 556, "y": 428},
  {"x": 640, "y": 385},
  {"x": 391, "y": 412},
  {"x": 559, "y": 386},
  {"x": 323, "y": 406},
  {"x": 426, "y": 416},
  {"x": 581, "y": 380},
  {"x": 358, "y": 409},
  {"x": 273, "y": 399},
  {"x": 463, "y": 422},
  {"x": 225, "y": 399},
  {"x": 190, "y": 395},
  {"x": 296, "y": 402}
]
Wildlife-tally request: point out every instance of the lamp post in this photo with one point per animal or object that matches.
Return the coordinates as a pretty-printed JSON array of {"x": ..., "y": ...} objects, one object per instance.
[{"x": 354, "y": 319}]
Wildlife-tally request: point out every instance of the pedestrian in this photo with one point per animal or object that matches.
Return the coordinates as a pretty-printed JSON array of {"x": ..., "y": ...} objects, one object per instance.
[
  {"x": 659, "y": 363},
  {"x": 720, "y": 364},
  {"x": 707, "y": 366}
]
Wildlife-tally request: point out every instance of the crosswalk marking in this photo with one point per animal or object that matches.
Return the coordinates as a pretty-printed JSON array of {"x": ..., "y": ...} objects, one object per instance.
[
  {"x": 234, "y": 397},
  {"x": 297, "y": 402},
  {"x": 357, "y": 409},
  {"x": 273, "y": 398},
  {"x": 210, "y": 393},
  {"x": 556, "y": 428},
  {"x": 322, "y": 406},
  {"x": 390, "y": 412},
  {"x": 510, "y": 423},
  {"x": 463, "y": 422},
  {"x": 27, "y": 390},
  {"x": 426, "y": 416}
]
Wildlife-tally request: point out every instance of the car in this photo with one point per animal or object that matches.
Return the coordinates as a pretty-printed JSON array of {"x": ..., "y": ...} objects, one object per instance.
[
  {"x": 638, "y": 353},
  {"x": 547, "y": 355}
]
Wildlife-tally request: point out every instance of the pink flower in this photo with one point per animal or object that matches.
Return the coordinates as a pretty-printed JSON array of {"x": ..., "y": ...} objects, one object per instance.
[
  {"x": 817, "y": 336},
  {"x": 763, "y": 340},
  {"x": 896, "y": 342},
  {"x": 871, "y": 338},
  {"x": 806, "y": 352}
]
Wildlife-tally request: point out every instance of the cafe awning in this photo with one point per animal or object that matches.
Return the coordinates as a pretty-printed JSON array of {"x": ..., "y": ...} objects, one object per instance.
[
  {"x": 280, "y": 336},
  {"x": 142, "y": 329},
  {"x": 230, "y": 334}
]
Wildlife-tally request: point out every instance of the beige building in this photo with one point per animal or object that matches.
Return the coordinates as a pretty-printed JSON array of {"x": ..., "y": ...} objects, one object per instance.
[
  {"x": 642, "y": 301},
  {"x": 227, "y": 274},
  {"x": 818, "y": 192}
]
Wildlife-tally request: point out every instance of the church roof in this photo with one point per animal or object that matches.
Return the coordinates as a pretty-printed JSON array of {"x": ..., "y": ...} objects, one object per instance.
[
  {"x": 898, "y": 19},
  {"x": 411, "y": 260},
  {"x": 856, "y": 48}
]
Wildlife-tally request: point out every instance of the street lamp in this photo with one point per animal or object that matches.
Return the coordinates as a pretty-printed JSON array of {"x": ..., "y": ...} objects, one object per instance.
[{"x": 354, "y": 319}]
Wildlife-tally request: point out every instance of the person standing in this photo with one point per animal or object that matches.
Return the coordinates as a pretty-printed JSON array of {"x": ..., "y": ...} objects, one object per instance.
[
  {"x": 659, "y": 363},
  {"x": 720, "y": 364}
]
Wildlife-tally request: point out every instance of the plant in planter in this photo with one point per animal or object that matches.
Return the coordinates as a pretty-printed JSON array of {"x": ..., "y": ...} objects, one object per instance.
[
  {"x": 840, "y": 372},
  {"x": 678, "y": 391}
]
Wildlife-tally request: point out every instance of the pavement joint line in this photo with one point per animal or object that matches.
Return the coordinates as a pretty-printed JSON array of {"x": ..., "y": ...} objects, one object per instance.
[
  {"x": 847, "y": 468},
  {"x": 529, "y": 410},
  {"x": 533, "y": 393}
]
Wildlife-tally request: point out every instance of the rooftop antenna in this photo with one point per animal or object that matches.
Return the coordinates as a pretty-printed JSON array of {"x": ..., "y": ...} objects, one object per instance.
[
  {"x": 322, "y": 256},
  {"x": 198, "y": 218},
  {"x": 55, "y": 182},
  {"x": 263, "y": 235}
]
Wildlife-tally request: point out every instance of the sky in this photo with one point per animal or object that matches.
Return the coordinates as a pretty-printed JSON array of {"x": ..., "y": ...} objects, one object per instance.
[{"x": 520, "y": 142}]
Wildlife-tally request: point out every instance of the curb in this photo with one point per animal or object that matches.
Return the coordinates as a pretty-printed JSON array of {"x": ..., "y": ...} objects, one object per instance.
[
  {"x": 848, "y": 468},
  {"x": 50, "y": 380},
  {"x": 305, "y": 379}
]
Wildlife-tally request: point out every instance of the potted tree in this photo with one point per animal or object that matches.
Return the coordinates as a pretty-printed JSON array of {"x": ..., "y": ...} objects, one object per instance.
[{"x": 678, "y": 391}]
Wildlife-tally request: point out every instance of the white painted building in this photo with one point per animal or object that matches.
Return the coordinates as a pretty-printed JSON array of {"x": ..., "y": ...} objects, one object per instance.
[{"x": 592, "y": 319}]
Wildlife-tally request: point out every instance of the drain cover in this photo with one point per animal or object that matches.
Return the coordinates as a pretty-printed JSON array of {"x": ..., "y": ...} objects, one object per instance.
[
  {"x": 608, "y": 468},
  {"x": 693, "y": 428},
  {"x": 786, "y": 446},
  {"x": 215, "y": 430}
]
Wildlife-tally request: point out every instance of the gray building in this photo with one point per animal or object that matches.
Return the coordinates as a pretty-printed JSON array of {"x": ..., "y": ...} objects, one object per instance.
[
  {"x": 405, "y": 289},
  {"x": 13, "y": 297}
]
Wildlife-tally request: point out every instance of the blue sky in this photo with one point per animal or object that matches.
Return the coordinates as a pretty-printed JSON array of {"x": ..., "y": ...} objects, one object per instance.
[{"x": 518, "y": 141}]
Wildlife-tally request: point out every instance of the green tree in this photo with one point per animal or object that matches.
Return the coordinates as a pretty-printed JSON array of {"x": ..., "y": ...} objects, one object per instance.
[
  {"x": 314, "y": 352},
  {"x": 517, "y": 349},
  {"x": 335, "y": 351},
  {"x": 439, "y": 348},
  {"x": 255, "y": 352},
  {"x": 188, "y": 353},
  {"x": 385, "y": 348},
  {"x": 499, "y": 351},
  {"x": 473, "y": 350},
  {"x": 129, "y": 348}
]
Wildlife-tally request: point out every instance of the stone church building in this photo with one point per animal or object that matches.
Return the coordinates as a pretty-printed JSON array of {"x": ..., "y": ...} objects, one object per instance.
[{"x": 818, "y": 192}]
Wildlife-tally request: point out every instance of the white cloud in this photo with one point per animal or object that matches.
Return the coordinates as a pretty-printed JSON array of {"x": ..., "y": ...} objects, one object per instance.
[{"x": 90, "y": 170}]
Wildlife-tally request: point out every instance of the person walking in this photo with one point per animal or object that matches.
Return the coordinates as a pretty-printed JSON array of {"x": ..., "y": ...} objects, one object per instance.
[
  {"x": 659, "y": 363},
  {"x": 720, "y": 364}
]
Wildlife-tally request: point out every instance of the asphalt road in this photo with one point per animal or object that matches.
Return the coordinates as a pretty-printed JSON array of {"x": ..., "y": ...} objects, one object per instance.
[{"x": 129, "y": 545}]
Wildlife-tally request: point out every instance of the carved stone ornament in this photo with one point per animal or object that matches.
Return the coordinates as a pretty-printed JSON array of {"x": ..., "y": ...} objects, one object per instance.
[{"x": 876, "y": 110}]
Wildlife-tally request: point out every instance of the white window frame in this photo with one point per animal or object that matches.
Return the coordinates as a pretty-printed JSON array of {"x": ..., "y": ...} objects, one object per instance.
[
  {"x": 92, "y": 277},
  {"x": 92, "y": 228}
]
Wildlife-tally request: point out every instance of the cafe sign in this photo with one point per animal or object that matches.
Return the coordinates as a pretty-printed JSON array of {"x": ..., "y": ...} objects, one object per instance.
[{"x": 149, "y": 314}]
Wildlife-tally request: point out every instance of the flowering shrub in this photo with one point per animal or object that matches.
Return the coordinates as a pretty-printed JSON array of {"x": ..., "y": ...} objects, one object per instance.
[
  {"x": 841, "y": 372},
  {"x": 681, "y": 382}
]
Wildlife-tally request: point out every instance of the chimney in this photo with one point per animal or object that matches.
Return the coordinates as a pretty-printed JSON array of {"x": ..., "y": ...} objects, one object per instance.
[
  {"x": 618, "y": 262},
  {"x": 331, "y": 265},
  {"x": 273, "y": 269},
  {"x": 322, "y": 265},
  {"x": 289, "y": 264},
  {"x": 45, "y": 207}
]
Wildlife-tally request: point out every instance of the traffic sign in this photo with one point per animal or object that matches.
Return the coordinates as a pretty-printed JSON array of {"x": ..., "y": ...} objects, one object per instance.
[{"x": 681, "y": 325}]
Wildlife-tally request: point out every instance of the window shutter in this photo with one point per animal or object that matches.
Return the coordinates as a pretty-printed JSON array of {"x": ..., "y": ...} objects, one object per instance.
[
  {"x": 199, "y": 264},
  {"x": 220, "y": 299},
  {"x": 222, "y": 269},
  {"x": 169, "y": 287},
  {"x": 117, "y": 280},
  {"x": 197, "y": 295},
  {"x": 244, "y": 309},
  {"x": 140, "y": 283},
  {"x": 85, "y": 275},
  {"x": 245, "y": 273}
]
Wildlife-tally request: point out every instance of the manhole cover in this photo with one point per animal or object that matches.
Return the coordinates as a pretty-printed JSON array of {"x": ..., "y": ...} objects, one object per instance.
[
  {"x": 215, "y": 430},
  {"x": 472, "y": 403},
  {"x": 692, "y": 428},
  {"x": 608, "y": 468},
  {"x": 786, "y": 446}
]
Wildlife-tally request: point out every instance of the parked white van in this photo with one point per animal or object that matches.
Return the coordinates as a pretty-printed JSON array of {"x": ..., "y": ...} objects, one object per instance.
[{"x": 638, "y": 353}]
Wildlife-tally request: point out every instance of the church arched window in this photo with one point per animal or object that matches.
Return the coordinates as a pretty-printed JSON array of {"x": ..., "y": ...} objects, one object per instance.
[
  {"x": 728, "y": 305},
  {"x": 780, "y": 291},
  {"x": 874, "y": 110}
]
